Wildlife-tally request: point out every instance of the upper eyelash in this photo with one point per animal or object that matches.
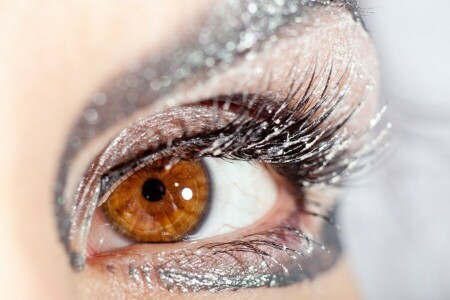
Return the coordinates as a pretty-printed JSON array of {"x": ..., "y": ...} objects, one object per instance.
[{"x": 312, "y": 156}]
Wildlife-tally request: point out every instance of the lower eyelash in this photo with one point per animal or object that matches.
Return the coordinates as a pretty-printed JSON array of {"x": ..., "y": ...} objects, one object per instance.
[{"x": 273, "y": 258}]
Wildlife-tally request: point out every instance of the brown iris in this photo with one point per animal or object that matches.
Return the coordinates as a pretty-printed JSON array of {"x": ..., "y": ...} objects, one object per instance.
[{"x": 159, "y": 204}]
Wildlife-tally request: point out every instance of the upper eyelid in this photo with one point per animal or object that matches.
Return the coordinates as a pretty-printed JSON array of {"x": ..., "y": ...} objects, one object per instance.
[
  {"x": 256, "y": 105},
  {"x": 303, "y": 86}
]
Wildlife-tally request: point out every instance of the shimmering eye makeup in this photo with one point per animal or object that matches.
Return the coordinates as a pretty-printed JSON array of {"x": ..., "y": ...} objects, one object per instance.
[{"x": 296, "y": 117}]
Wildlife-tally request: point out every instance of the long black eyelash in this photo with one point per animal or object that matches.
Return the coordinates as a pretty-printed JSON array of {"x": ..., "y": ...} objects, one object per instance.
[
  {"x": 298, "y": 143},
  {"x": 304, "y": 138}
]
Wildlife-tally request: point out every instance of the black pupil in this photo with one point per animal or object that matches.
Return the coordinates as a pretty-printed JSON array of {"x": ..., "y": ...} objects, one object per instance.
[{"x": 153, "y": 189}]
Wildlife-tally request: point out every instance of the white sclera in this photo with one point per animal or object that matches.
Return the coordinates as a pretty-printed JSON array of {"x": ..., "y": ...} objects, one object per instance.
[{"x": 241, "y": 195}]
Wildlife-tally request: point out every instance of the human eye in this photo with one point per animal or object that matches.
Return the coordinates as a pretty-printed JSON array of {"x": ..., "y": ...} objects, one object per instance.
[
  {"x": 185, "y": 200},
  {"x": 216, "y": 165}
]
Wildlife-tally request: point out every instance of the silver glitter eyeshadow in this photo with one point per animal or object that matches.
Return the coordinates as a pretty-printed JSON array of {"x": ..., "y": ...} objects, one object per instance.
[{"x": 233, "y": 28}]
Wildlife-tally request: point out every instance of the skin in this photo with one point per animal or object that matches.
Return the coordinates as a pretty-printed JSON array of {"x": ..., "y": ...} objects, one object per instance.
[{"x": 53, "y": 56}]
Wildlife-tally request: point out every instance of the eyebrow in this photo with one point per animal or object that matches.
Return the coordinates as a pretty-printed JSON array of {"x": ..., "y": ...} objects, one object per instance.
[{"x": 231, "y": 30}]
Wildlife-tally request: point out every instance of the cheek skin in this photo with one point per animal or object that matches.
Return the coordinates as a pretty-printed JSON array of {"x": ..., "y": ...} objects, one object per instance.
[{"x": 53, "y": 56}]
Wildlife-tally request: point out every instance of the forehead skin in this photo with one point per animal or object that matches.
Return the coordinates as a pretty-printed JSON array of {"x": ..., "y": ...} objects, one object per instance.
[{"x": 54, "y": 54}]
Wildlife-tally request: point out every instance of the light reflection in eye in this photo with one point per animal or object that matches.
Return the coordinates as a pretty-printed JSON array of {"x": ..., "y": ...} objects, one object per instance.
[
  {"x": 187, "y": 194},
  {"x": 191, "y": 200}
]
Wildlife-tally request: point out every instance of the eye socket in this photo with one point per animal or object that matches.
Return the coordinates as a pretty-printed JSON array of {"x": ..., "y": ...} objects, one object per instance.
[{"x": 189, "y": 200}]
